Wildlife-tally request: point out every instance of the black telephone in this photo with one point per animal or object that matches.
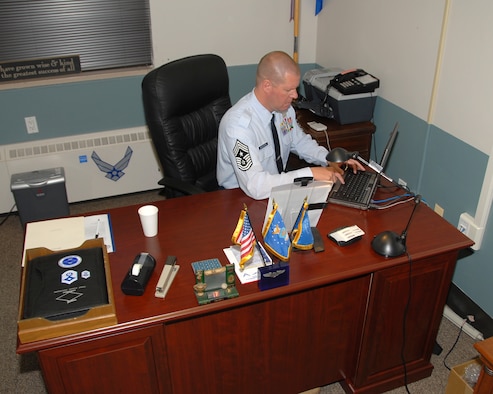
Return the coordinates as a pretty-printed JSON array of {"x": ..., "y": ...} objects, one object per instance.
[{"x": 355, "y": 81}]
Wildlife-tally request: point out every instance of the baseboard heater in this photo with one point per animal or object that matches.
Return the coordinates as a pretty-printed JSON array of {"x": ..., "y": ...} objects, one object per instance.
[{"x": 96, "y": 165}]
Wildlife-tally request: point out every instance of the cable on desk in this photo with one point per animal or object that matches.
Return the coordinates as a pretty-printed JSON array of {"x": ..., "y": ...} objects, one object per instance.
[
  {"x": 374, "y": 203},
  {"x": 327, "y": 139},
  {"x": 393, "y": 198},
  {"x": 411, "y": 196}
]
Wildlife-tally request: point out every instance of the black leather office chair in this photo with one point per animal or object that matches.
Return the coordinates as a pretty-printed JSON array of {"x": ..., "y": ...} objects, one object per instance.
[{"x": 184, "y": 101}]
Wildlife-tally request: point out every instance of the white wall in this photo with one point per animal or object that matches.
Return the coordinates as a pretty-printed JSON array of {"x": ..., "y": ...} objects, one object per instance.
[
  {"x": 378, "y": 40},
  {"x": 399, "y": 41},
  {"x": 239, "y": 31},
  {"x": 465, "y": 94}
]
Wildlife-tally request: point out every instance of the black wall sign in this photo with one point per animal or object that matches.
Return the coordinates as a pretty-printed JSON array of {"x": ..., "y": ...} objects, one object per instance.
[{"x": 39, "y": 68}]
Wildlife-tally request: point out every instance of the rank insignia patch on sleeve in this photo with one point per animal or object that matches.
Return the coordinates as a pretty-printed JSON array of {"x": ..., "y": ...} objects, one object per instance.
[{"x": 242, "y": 155}]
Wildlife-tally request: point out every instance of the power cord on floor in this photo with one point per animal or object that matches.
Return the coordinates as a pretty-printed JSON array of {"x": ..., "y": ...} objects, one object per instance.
[
  {"x": 455, "y": 343},
  {"x": 8, "y": 214}
]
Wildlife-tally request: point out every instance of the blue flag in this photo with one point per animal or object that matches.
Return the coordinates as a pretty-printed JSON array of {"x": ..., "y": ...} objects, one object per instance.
[
  {"x": 302, "y": 235},
  {"x": 318, "y": 7},
  {"x": 276, "y": 236}
]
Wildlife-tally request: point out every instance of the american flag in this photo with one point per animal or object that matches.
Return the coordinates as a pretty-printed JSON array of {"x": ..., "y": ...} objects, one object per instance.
[
  {"x": 244, "y": 236},
  {"x": 246, "y": 241}
]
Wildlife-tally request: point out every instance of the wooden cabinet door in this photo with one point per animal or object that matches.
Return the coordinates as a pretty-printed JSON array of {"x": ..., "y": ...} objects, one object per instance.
[
  {"x": 404, "y": 313},
  {"x": 286, "y": 344},
  {"x": 132, "y": 362}
]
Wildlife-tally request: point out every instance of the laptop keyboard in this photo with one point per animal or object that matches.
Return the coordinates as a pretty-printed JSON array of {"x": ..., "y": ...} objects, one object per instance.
[{"x": 353, "y": 190}]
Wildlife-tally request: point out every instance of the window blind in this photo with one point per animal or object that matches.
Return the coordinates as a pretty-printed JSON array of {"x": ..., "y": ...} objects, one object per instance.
[{"x": 104, "y": 33}]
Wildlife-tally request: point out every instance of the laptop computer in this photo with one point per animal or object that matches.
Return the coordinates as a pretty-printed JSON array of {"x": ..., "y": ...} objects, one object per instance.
[{"x": 359, "y": 189}]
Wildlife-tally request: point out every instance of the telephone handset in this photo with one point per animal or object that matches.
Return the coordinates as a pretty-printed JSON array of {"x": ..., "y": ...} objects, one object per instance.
[{"x": 355, "y": 81}]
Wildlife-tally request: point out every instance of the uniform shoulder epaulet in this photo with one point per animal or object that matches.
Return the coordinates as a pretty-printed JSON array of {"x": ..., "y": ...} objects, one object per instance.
[{"x": 245, "y": 119}]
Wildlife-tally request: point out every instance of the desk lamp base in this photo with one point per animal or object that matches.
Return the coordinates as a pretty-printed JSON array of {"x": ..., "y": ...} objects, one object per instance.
[{"x": 389, "y": 244}]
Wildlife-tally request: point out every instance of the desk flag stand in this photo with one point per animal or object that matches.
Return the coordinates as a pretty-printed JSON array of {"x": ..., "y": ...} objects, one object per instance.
[{"x": 278, "y": 243}]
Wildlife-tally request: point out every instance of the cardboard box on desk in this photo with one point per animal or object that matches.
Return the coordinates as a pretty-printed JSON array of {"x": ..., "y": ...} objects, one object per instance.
[{"x": 37, "y": 328}]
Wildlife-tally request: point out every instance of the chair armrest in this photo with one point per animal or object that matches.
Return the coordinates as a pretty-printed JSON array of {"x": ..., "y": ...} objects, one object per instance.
[{"x": 185, "y": 188}]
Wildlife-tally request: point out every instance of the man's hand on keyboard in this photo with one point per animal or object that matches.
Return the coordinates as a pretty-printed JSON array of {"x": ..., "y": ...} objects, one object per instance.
[
  {"x": 355, "y": 165},
  {"x": 334, "y": 172},
  {"x": 329, "y": 173},
  {"x": 338, "y": 171}
]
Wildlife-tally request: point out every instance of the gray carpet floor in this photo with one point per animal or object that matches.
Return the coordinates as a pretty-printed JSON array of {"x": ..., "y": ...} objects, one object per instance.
[{"x": 21, "y": 373}]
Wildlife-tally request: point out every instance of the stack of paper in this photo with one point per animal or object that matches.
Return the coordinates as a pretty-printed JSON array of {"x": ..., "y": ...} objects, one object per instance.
[{"x": 68, "y": 233}]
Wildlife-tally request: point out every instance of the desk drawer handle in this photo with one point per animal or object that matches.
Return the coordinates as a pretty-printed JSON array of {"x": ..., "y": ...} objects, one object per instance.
[{"x": 487, "y": 370}]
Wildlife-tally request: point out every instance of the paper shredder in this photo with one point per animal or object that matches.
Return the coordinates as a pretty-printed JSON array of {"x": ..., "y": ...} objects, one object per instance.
[{"x": 40, "y": 195}]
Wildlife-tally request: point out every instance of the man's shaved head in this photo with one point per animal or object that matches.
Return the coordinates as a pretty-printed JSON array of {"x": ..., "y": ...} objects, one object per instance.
[{"x": 274, "y": 66}]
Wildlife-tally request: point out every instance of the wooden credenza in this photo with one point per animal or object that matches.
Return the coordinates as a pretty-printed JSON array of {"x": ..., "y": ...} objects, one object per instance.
[
  {"x": 355, "y": 137},
  {"x": 340, "y": 319}
]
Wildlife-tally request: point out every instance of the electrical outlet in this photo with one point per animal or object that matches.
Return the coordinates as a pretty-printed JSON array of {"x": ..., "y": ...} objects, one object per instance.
[
  {"x": 465, "y": 224},
  {"x": 468, "y": 227},
  {"x": 31, "y": 124},
  {"x": 463, "y": 227},
  {"x": 439, "y": 210}
]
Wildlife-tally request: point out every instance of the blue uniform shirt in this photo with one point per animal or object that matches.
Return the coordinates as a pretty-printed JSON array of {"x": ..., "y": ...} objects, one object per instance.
[{"x": 245, "y": 156}]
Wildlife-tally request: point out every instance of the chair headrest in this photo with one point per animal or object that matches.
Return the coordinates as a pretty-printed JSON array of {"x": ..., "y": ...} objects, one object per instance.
[{"x": 187, "y": 84}]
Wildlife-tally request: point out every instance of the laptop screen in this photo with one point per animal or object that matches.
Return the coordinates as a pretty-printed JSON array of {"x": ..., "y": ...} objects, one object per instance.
[{"x": 388, "y": 147}]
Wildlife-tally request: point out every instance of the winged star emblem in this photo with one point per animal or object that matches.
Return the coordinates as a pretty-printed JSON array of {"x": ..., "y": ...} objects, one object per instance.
[
  {"x": 113, "y": 172},
  {"x": 274, "y": 274}
]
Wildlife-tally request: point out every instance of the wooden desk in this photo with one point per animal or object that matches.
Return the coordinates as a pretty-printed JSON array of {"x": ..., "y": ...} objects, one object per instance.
[
  {"x": 339, "y": 319},
  {"x": 485, "y": 381},
  {"x": 353, "y": 137}
]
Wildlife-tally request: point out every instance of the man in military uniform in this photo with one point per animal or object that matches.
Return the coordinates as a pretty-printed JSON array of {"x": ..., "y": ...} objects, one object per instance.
[{"x": 247, "y": 153}]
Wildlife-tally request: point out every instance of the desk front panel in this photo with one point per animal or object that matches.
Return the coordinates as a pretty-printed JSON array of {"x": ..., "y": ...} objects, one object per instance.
[{"x": 285, "y": 344}]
